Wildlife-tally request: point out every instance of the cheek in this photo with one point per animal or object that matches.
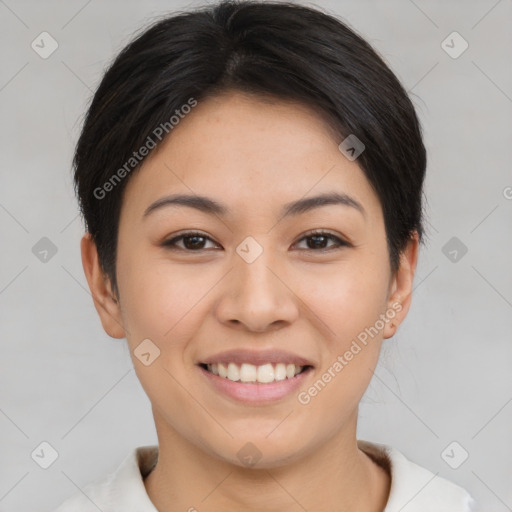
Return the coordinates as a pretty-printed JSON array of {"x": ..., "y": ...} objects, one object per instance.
[
  {"x": 350, "y": 303},
  {"x": 349, "y": 306},
  {"x": 162, "y": 302},
  {"x": 347, "y": 297},
  {"x": 163, "y": 307}
]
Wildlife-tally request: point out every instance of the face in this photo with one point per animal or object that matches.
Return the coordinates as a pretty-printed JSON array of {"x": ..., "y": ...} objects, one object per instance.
[{"x": 250, "y": 283}]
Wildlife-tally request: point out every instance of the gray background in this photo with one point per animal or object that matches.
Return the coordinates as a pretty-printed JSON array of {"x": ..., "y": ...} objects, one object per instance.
[{"x": 446, "y": 376}]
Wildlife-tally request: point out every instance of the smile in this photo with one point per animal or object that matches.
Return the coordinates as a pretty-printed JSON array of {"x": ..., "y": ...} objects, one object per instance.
[
  {"x": 262, "y": 385},
  {"x": 250, "y": 373}
]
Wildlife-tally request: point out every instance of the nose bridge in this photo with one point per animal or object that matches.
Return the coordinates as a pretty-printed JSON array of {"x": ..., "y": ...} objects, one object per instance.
[
  {"x": 257, "y": 296},
  {"x": 255, "y": 271}
]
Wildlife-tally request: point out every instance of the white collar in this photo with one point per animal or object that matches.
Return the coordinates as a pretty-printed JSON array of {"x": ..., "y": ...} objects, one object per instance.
[{"x": 413, "y": 488}]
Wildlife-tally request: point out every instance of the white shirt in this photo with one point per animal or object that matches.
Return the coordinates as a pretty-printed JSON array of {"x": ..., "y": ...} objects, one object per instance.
[{"x": 413, "y": 488}]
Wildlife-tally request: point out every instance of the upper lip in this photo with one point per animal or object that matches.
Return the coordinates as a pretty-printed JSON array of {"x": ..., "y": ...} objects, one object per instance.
[{"x": 257, "y": 357}]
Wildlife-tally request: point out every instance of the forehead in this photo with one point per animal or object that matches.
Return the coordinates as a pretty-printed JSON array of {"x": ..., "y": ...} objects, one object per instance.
[{"x": 252, "y": 153}]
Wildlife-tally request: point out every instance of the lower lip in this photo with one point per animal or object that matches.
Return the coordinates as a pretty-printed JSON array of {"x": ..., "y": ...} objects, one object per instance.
[{"x": 255, "y": 392}]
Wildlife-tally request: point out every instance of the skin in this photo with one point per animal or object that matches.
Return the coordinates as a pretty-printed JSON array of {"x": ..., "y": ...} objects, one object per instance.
[{"x": 253, "y": 156}]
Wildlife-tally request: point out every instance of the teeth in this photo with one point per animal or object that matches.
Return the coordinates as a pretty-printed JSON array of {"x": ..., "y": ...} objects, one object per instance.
[
  {"x": 265, "y": 373},
  {"x": 223, "y": 371},
  {"x": 250, "y": 373},
  {"x": 280, "y": 372},
  {"x": 233, "y": 372}
]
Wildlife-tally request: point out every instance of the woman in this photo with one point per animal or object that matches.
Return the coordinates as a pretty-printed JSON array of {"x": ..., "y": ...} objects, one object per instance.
[{"x": 251, "y": 175}]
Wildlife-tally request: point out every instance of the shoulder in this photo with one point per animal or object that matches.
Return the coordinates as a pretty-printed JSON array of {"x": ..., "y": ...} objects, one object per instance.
[
  {"x": 415, "y": 488},
  {"x": 122, "y": 489}
]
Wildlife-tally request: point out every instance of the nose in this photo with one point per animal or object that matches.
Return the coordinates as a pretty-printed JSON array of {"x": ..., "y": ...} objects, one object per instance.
[{"x": 256, "y": 296}]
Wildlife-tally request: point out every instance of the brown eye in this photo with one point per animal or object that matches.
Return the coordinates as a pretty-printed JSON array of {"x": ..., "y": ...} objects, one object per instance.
[
  {"x": 192, "y": 242},
  {"x": 318, "y": 240}
]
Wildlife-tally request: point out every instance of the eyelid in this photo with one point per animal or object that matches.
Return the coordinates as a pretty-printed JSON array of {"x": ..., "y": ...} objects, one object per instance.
[
  {"x": 340, "y": 241},
  {"x": 170, "y": 243}
]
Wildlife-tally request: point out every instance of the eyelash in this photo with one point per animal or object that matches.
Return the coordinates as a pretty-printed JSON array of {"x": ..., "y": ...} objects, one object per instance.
[{"x": 171, "y": 244}]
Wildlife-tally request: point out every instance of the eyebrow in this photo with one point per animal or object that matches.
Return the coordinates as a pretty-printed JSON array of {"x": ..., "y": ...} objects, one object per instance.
[{"x": 212, "y": 207}]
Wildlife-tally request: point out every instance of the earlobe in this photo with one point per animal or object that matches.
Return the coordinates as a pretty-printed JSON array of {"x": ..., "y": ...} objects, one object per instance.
[
  {"x": 104, "y": 299},
  {"x": 400, "y": 297}
]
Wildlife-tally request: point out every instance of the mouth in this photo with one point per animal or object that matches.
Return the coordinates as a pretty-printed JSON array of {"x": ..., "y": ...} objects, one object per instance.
[
  {"x": 247, "y": 373},
  {"x": 255, "y": 377},
  {"x": 254, "y": 385}
]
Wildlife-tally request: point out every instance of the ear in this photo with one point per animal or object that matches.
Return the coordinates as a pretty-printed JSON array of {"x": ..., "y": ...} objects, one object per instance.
[
  {"x": 106, "y": 304},
  {"x": 400, "y": 291}
]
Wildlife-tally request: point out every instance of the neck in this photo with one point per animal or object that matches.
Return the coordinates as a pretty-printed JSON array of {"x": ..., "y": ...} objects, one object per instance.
[{"x": 335, "y": 476}]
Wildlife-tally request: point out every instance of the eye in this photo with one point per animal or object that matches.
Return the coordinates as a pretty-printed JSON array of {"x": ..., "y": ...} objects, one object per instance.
[
  {"x": 319, "y": 239},
  {"x": 193, "y": 241}
]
